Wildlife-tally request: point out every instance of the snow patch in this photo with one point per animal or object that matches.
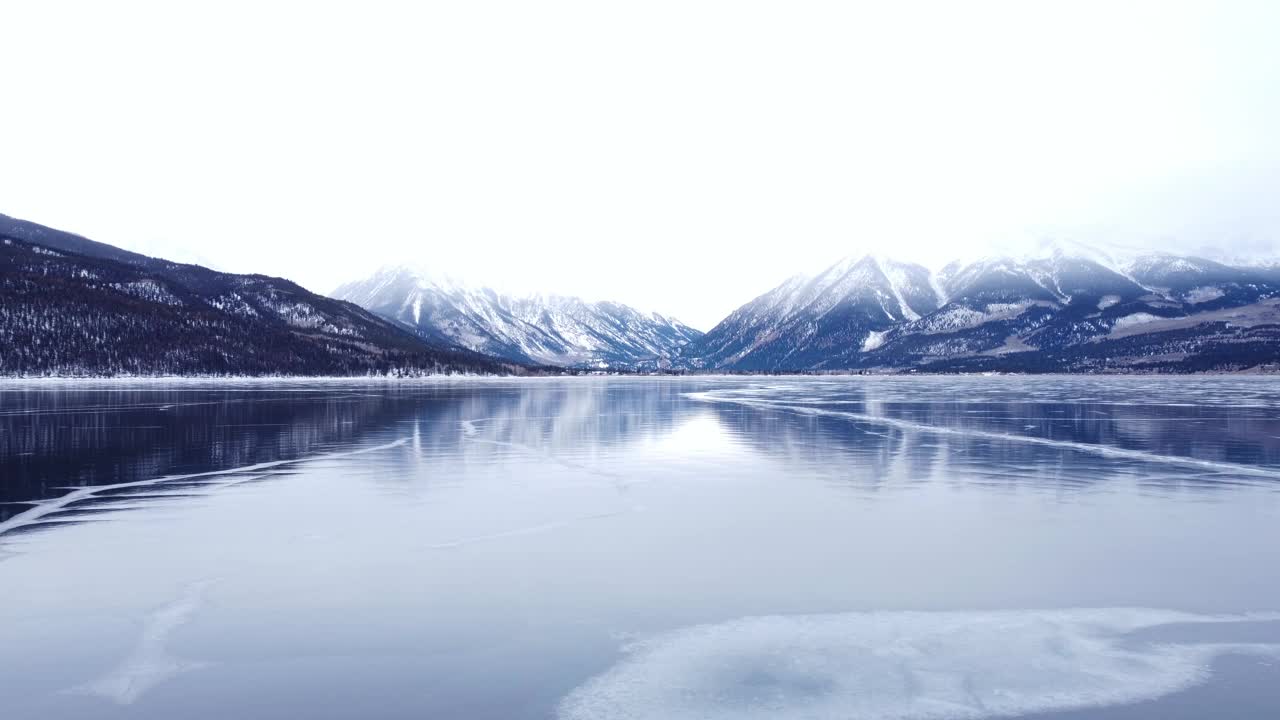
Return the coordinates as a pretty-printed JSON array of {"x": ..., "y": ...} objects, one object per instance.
[
  {"x": 901, "y": 666},
  {"x": 1203, "y": 294},
  {"x": 897, "y": 277},
  {"x": 1107, "y": 301},
  {"x": 1135, "y": 319},
  {"x": 148, "y": 290},
  {"x": 959, "y": 317},
  {"x": 873, "y": 340},
  {"x": 1162, "y": 265},
  {"x": 1007, "y": 309}
]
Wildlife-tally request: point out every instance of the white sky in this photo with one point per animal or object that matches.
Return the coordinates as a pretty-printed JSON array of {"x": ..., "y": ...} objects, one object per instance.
[{"x": 681, "y": 156}]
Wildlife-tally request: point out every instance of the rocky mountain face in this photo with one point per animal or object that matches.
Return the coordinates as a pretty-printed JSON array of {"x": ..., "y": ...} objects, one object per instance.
[
  {"x": 1062, "y": 312},
  {"x": 72, "y": 306},
  {"x": 552, "y": 330}
]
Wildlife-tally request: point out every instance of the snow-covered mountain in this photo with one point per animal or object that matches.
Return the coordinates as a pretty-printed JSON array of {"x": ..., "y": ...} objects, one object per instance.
[
  {"x": 1068, "y": 309},
  {"x": 73, "y": 306},
  {"x": 814, "y": 321},
  {"x": 554, "y": 330}
]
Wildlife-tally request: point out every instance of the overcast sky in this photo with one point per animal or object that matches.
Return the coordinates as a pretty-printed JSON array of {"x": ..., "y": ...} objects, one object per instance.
[{"x": 678, "y": 156}]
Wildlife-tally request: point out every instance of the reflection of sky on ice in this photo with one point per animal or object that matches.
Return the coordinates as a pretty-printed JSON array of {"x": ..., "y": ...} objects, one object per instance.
[{"x": 771, "y": 547}]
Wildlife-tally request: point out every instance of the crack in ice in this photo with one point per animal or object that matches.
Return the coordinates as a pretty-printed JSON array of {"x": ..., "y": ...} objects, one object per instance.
[
  {"x": 46, "y": 507},
  {"x": 151, "y": 663},
  {"x": 1093, "y": 449}
]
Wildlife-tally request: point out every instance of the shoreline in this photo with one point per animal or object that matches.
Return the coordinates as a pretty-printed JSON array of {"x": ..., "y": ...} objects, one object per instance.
[{"x": 455, "y": 378}]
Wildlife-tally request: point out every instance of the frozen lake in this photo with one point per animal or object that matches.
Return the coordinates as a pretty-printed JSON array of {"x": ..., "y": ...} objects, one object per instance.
[{"x": 816, "y": 548}]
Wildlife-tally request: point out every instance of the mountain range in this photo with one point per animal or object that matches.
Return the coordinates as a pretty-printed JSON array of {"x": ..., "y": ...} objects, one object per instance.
[
  {"x": 69, "y": 305},
  {"x": 72, "y": 306},
  {"x": 1065, "y": 311},
  {"x": 554, "y": 330}
]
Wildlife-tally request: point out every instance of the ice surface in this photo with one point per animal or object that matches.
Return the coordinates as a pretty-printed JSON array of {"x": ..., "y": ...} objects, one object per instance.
[
  {"x": 520, "y": 531},
  {"x": 900, "y": 666},
  {"x": 150, "y": 663},
  {"x": 746, "y": 398},
  {"x": 35, "y": 514},
  {"x": 521, "y": 524}
]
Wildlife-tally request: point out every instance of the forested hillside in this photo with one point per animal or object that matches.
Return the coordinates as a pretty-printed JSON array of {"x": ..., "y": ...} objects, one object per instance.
[{"x": 118, "y": 313}]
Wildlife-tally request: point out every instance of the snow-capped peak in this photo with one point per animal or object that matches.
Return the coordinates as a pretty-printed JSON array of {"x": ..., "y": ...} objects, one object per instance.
[{"x": 552, "y": 329}]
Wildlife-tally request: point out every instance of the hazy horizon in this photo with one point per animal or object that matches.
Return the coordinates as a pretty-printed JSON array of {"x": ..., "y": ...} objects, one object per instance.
[{"x": 681, "y": 158}]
